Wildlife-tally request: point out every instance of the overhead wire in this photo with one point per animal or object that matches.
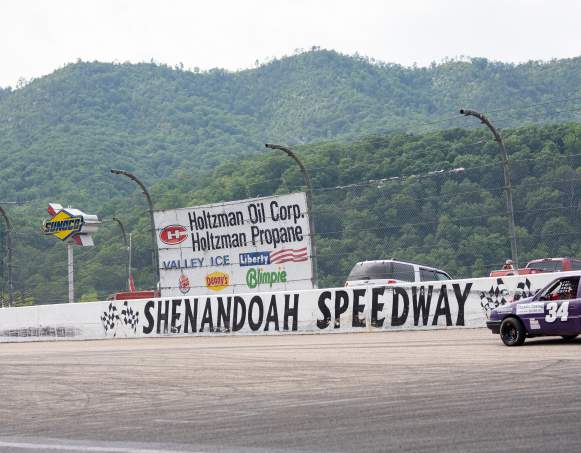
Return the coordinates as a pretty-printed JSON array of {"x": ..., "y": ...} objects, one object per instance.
[
  {"x": 458, "y": 117},
  {"x": 452, "y": 220}
]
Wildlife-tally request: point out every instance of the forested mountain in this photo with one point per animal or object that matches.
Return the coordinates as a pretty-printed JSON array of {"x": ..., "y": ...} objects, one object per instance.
[
  {"x": 61, "y": 133},
  {"x": 198, "y": 137}
]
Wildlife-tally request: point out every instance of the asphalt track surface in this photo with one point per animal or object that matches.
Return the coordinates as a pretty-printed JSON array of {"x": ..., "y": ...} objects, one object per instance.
[{"x": 447, "y": 390}]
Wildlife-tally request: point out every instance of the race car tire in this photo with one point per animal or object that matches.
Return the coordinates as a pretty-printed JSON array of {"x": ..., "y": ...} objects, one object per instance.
[
  {"x": 569, "y": 337},
  {"x": 512, "y": 332}
]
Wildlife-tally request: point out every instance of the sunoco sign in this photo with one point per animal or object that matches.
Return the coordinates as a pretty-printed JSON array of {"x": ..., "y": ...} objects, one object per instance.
[
  {"x": 70, "y": 223},
  {"x": 259, "y": 244},
  {"x": 63, "y": 225}
]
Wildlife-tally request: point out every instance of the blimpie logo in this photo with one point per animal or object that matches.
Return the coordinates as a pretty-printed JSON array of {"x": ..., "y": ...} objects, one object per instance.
[
  {"x": 258, "y": 276},
  {"x": 217, "y": 281},
  {"x": 173, "y": 234}
]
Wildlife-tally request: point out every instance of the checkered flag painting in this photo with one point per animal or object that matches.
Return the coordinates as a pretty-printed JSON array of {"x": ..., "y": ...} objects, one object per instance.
[
  {"x": 523, "y": 290},
  {"x": 494, "y": 297},
  {"x": 110, "y": 318},
  {"x": 130, "y": 317}
]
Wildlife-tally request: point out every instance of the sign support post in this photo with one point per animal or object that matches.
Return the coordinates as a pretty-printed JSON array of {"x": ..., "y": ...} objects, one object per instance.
[
  {"x": 71, "y": 273},
  {"x": 129, "y": 264},
  {"x": 71, "y": 226}
]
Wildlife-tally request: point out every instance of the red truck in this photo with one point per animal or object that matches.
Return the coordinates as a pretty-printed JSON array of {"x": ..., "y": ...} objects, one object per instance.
[{"x": 542, "y": 265}]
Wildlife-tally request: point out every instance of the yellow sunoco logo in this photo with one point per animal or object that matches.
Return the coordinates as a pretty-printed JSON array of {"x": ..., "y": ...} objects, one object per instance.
[
  {"x": 217, "y": 281},
  {"x": 62, "y": 225}
]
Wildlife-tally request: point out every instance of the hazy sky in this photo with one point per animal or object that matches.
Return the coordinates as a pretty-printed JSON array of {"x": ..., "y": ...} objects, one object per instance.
[{"x": 39, "y": 36}]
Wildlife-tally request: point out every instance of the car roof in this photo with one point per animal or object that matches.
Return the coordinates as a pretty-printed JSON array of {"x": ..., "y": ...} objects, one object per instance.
[{"x": 403, "y": 262}]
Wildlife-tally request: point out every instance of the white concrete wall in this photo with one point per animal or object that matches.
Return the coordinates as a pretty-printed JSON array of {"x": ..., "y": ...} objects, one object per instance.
[{"x": 451, "y": 304}]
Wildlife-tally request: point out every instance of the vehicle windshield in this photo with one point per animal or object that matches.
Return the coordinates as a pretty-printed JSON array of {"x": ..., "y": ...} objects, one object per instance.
[
  {"x": 382, "y": 270},
  {"x": 430, "y": 275},
  {"x": 370, "y": 271},
  {"x": 548, "y": 265},
  {"x": 403, "y": 272}
]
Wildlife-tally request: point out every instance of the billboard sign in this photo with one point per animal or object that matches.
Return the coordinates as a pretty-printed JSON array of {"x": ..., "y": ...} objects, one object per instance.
[
  {"x": 63, "y": 225},
  {"x": 253, "y": 245},
  {"x": 70, "y": 223}
]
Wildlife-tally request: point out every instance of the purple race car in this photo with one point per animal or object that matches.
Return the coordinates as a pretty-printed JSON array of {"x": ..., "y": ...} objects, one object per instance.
[{"x": 554, "y": 310}]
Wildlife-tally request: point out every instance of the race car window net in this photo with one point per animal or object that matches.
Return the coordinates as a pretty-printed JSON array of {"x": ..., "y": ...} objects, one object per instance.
[{"x": 562, "y": 289}]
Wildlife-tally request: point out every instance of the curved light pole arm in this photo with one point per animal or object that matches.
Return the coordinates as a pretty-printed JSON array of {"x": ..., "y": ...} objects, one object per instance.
[
  {"x": 115, "y": 219},
  {"x": 507, "y": 180},
  {"x": 8, "y": 256},
  {"x": 154, "y": 254},
  {"x": 309, "y": 188}
]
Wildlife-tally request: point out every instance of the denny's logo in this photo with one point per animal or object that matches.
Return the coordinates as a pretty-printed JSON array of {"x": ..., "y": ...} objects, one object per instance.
[
  {"x": 63, "y": 225},
  {"x": 217, "y": 281}
]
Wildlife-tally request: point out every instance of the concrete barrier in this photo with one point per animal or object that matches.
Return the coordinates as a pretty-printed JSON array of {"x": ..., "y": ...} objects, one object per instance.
[{"x": 426, "y": 305}]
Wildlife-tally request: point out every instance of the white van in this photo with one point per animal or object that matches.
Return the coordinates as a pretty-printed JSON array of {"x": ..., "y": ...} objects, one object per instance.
[{"x": 390, "y": 272}]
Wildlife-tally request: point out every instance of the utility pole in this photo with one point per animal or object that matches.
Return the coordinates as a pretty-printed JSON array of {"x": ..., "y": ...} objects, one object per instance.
[
  {"x": 8, "y": 256},
  {"x": 154, "y": 254},
  {"x": 507, "y": 181},
  {"x": 309, "y": 187}
]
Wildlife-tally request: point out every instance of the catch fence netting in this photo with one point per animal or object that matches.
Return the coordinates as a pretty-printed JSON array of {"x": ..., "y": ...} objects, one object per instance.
[
  {"x": 454, "y": 219},
  {"x": 443, "y": 214}
]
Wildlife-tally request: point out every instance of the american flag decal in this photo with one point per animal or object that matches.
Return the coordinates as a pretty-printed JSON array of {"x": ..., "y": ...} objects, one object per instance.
[{"x": 285, "y": 255}]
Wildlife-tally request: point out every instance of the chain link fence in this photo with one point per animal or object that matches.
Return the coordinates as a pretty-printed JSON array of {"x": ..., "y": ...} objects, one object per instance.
[{"x": 454, "y": 219}]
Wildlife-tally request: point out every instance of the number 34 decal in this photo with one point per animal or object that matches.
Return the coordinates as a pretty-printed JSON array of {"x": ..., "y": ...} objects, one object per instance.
[{"x": 557, "y": 311}]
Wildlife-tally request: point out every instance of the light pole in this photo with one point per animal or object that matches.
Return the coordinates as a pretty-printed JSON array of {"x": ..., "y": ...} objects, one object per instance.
[
  {"x": 127, "y": 265},
  {"x": 8, "y": 255},
  {"x": 309, "y": 187},
  {"x": 154, "y": 256},
  {"x": 507, "y": 181}
]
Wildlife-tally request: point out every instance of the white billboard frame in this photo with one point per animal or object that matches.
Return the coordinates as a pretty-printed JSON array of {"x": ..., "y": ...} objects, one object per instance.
[{"x": 252, "y": 245}]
